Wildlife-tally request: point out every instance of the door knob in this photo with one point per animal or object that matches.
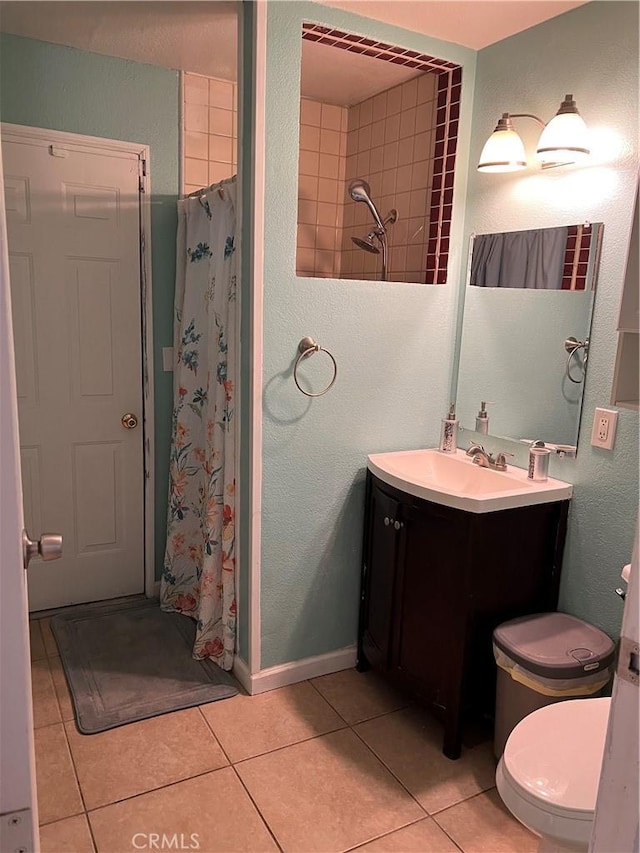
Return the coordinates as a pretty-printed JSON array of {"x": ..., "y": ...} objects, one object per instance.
[
  {"x": 49, "y": 547},
  {"x": 129, "y": 421}
]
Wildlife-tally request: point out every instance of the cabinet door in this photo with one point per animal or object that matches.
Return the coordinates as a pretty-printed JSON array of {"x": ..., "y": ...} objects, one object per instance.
[
  {"x": 432, "y": 603},
  {"x": 379, "y": 577}
]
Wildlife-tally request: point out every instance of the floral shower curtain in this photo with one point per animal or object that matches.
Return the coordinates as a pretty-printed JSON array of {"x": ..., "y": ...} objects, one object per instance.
[{"x": 199, "y": 565}]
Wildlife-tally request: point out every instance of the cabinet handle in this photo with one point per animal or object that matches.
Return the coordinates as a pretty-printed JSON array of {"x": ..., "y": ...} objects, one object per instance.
[
  {"x": 398, "y": 524},
  {"x": 387, "y": 521}
]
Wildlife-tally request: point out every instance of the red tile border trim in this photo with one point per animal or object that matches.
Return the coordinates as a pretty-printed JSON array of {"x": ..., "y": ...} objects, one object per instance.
[
  {"x": 443, "y": 176},
  {"x": 377, "y": 49},
  {"x": 576, "y": 257}
]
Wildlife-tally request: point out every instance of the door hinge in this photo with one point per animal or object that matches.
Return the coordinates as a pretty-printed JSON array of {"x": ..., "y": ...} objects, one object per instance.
[
  {"x": 628, "y": 668},
  {"x": 57, "y": 151},
  {"x": 16, "y": 831},
  {"x": 142, "y": 174}
]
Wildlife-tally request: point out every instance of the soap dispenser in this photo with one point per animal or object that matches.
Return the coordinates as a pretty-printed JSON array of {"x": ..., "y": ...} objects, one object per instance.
[
  {"x": 482, "y": 419},
  {"x": 449, "y": 434}
]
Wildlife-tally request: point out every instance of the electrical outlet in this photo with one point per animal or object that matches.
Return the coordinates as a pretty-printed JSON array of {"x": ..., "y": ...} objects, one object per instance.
[{"x": 603, "y": 433}]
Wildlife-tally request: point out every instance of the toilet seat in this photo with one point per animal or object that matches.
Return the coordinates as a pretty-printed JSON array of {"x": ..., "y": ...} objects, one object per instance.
[{"x": 549, "y": 773}]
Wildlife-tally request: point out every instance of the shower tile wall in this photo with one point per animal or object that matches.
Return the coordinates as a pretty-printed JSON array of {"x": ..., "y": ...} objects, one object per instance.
[
  {"x": 321, "y": 188},
  {"x": 210, "y": 131},
  {"x": 390, "y": 143}
]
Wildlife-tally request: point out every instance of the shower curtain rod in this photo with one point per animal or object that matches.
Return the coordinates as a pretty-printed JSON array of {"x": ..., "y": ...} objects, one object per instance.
[{"x": 218, "y": 185}]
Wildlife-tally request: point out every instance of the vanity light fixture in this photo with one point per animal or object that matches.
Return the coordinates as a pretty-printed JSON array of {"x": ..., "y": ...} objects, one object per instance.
[{"x": 563, "y": 140}]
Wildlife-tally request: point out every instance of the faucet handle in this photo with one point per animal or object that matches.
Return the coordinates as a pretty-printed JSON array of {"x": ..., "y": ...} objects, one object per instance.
[
  {"x": 474, "y": 447},
  {"x": 501, "y": 459}
]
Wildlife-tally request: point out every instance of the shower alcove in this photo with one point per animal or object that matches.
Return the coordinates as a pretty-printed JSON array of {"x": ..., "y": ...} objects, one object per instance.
[{"x": 387, "y": 116}]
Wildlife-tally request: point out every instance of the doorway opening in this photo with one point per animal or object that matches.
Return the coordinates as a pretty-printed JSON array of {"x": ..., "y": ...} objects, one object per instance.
[{"x": 143, "y": 73}]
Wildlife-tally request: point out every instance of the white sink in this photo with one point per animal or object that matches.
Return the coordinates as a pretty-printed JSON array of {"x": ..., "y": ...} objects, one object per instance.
[{"x": 453, "y": 479}]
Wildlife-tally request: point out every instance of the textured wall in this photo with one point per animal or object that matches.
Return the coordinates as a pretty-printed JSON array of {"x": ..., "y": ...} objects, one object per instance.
[
  {"x": 61, "y": 88},
  {"x": 392, "y": 342},
  {"x": 531, "y": 72}
]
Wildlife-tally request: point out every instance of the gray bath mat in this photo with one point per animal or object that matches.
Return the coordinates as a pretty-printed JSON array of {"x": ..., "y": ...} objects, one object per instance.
[{"x": 129, "y": 661}]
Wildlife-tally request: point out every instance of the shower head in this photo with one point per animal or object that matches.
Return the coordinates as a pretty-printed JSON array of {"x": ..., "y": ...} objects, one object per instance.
[
  {"x": 367, "y": 243},
  {"x": 360, "y": 190}
]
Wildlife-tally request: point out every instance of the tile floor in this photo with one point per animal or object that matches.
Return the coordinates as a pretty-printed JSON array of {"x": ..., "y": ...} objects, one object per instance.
[{"x": 333, "y": 764}]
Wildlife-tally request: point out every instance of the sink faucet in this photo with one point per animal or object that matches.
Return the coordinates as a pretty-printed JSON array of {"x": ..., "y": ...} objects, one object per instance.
[{"x": 486, "y": 460}]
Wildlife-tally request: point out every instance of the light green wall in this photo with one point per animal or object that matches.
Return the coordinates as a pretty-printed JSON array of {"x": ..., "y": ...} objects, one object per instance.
[
  {"x": 61, "y": 88},
  {"x": 592, "y": 52},
  {"x": 392, "y": 343}
]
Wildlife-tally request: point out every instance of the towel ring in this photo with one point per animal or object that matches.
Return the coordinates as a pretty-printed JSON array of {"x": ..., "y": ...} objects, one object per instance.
[
  {"x": 572, "y": 345},
  {"x": 307, "y": 347}
]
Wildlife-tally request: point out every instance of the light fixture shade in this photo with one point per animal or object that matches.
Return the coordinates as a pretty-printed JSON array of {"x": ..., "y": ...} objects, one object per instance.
[
  {"x": 504, "y": 150},
  {"x": 566, "y": 138}
]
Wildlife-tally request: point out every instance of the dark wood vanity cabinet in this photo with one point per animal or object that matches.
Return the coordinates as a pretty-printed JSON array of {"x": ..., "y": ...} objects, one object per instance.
[{"x": 436, "y": 581}]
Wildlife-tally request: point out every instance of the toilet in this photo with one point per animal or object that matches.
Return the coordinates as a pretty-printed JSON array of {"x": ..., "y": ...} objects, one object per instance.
[{"x": 549, "y": 772}]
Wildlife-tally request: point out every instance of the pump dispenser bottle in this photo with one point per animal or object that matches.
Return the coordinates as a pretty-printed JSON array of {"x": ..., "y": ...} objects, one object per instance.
[
  {"x": 449, "y": 434},
  {"x": 482, "y": 419}
]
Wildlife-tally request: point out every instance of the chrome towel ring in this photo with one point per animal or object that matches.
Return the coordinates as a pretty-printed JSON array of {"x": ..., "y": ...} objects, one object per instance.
[
  {"x": 306, "y": 348},
  {"x": 572, "y": 345}
]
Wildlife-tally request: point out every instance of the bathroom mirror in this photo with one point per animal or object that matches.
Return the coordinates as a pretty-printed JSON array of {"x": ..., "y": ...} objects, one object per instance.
[
  {"x": 523, "y": 339},
  {"x": 378, "y": 136}
]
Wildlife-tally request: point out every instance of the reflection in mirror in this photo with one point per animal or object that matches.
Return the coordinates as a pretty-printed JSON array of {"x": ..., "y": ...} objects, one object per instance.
[
  {"x": 526, "y": 296},
  {"x": 534, "y": 259},
  {"x": 378, "y": 135}
]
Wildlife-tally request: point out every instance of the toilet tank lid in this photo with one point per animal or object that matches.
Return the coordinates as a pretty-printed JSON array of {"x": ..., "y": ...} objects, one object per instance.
[{"x": 555, "y": 645}]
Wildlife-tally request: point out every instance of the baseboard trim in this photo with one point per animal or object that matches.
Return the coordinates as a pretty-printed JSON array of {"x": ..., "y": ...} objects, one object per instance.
[
  {"x": 291, "y": 673},
  {"x": 241, "y": 672}
]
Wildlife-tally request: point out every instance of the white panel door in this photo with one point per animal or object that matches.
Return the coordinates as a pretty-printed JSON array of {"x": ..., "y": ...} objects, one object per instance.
[
  {"x": 616, "y": 827},
  {"x": 74, "y": 259},
  {"x": 18, "y": 805}
]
